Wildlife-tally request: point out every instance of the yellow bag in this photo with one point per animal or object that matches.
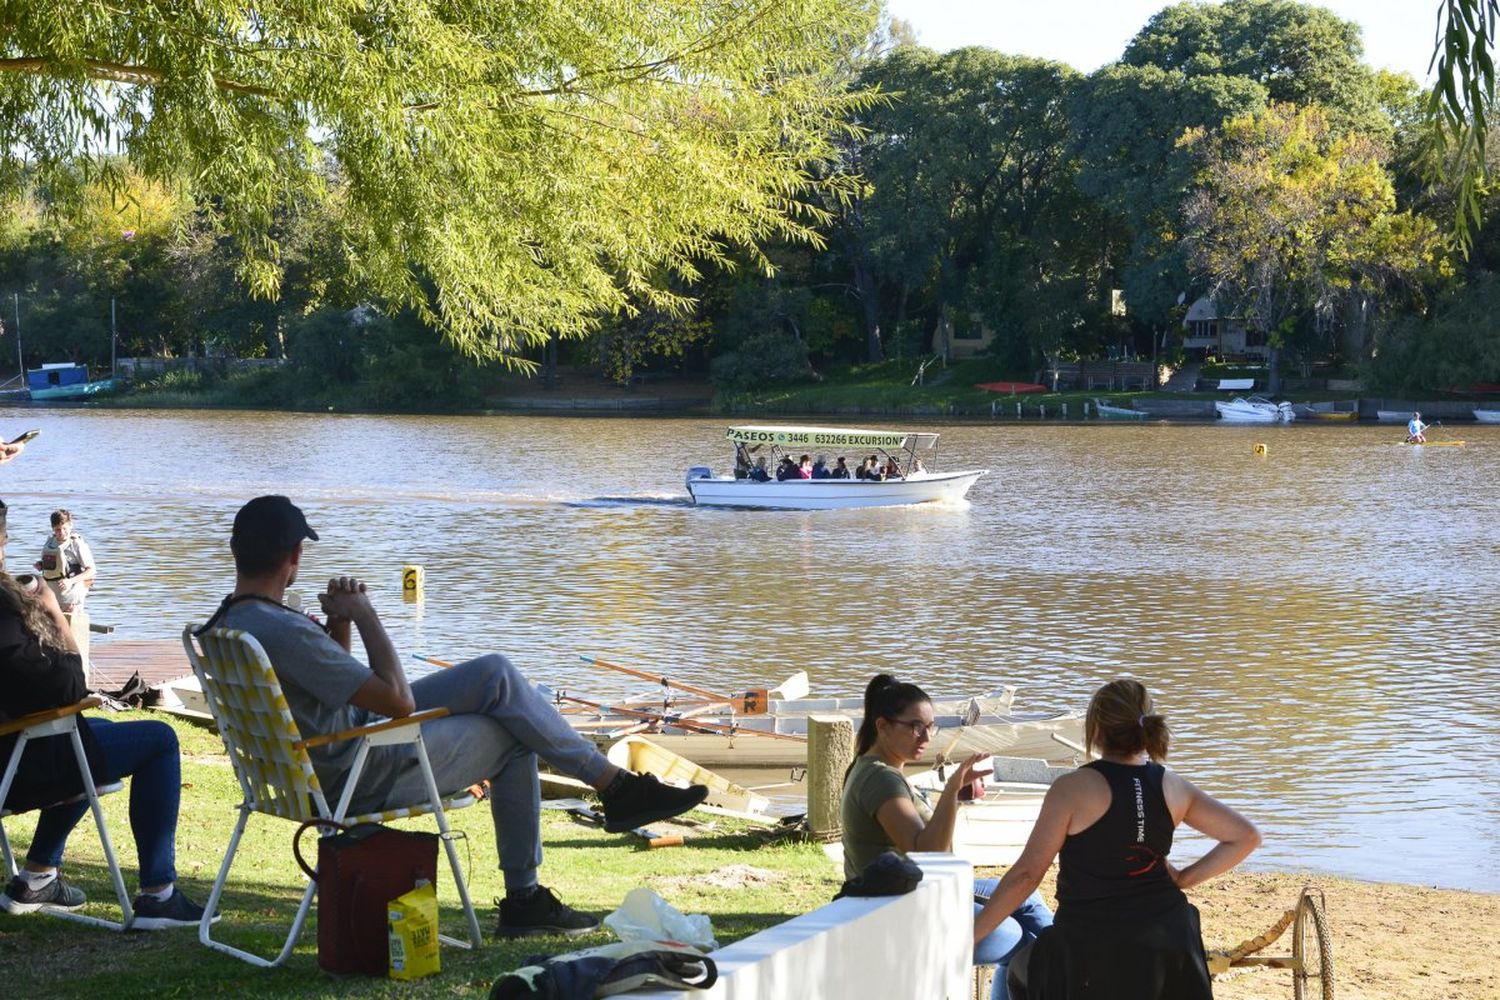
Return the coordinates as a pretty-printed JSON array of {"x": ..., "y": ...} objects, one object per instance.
[{"x": 412, "y": 925}]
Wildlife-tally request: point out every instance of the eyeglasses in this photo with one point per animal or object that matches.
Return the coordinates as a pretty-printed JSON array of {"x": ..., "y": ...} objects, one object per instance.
[{"x": 920, "y": 728}]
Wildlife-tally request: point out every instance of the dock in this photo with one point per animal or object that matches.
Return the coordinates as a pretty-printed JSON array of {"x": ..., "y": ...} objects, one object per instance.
[{"x": 111, "y": 662}]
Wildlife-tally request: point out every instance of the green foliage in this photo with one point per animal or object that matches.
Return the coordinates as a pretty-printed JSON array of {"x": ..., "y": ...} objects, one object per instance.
[
  {"x": 504, "y": 171},
  {"x": 765, "y": 359},
  {"x": 1457, "y": 346},
  {"x": 1291, "y": 220},
  {"x": 1461, "y": 104},
  {"x": 1300, "y": 53}
]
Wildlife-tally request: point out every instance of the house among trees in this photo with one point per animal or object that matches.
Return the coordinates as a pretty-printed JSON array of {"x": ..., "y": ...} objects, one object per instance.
[{"x": 1223, "y": 336}]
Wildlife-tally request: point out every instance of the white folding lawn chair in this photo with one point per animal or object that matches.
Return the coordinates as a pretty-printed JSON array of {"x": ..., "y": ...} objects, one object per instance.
[
  {"x": 63, "y": 721},
  {"x": 276, "y": 776}
]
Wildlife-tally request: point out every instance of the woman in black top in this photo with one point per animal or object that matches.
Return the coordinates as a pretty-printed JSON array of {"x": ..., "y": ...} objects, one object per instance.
[{"x": 1123, "y": 927}]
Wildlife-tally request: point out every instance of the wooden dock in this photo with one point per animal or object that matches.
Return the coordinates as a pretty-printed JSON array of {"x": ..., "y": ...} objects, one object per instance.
[{"x": 112, "y": 661}]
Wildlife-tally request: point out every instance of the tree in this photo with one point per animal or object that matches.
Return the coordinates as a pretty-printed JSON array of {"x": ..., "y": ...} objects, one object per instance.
[
  {"x": 1127, "y": 121},
  {"x": 972, "y": 210},
  {"x": 534, "y": 166},
  {"x": 1461, "y": 104},
  {"x": 1301, "y": 54},
  {"x": 1290, "y": 221}
]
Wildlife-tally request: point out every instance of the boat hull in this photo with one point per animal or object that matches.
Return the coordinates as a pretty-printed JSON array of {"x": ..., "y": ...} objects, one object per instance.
[
  {"x": 832, "y": 494},
  {"x": 1487, "y": 416},
  {"x": 643, "y": 756},
  {"x": 1245, "y": 411},
  {"x": 1392, "y": 416},
  {"x": 1031, "y": 738},
  {"x": 83, "y": 390}
]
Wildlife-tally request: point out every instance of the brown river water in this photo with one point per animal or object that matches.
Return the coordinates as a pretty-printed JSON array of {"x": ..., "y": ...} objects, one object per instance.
[{"x": 1320, "y": 624}]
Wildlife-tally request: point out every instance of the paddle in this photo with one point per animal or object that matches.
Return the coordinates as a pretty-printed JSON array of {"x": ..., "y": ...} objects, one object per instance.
[{"x": 753, "y": 702}]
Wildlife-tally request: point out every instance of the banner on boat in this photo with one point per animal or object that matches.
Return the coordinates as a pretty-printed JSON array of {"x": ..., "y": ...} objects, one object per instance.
[{"x": 817, "y": 437}]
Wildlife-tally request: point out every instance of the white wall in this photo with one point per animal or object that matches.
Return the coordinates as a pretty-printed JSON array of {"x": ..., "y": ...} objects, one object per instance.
[{"x": 917, "y": 946}]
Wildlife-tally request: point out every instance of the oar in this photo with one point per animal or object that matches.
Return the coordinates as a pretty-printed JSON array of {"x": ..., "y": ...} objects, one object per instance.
[
  {"x": 692, "y": 725},
  {"x": 751, "y": 702}
]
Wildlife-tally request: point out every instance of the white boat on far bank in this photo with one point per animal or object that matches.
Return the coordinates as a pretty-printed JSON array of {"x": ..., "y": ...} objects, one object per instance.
[
  {"x": 1487, "y": 416},
  {"x": 914, "y": 484},
  {"x": 1255, "y": 410}
]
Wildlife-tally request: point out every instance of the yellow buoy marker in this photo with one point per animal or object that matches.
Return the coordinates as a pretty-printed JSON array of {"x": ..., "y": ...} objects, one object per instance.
[
  {"x": 1261, "y": 450},
  {"x": 411, "y": 584}
]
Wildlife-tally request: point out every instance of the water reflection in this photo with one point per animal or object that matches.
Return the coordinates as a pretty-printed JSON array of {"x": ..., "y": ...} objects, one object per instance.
[{"x": 1318, "y": 621}]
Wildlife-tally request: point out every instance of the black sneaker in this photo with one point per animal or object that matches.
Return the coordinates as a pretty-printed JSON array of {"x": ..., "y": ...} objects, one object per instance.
[
  {"x": 541, "y": 912},
  {"x": 639, "y": 799},
  {"x": 19, "y": 897},
  {"x": 152, "y": 914}
]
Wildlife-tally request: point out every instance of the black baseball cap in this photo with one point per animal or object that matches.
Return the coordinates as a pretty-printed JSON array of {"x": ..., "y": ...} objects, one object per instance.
[{"x": 269, "y": 524}]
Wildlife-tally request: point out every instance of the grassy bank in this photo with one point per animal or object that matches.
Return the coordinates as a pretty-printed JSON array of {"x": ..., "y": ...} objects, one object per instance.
[
  {"x": 726, "y": 872},
  {"x": 1390, "y": 942}
]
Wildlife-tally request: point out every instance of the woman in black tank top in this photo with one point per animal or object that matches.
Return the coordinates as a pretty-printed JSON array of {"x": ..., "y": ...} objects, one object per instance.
[{"x": 1124, "y": 929}]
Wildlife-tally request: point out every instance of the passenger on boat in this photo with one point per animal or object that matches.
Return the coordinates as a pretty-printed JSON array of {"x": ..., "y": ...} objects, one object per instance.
[
  {"x": 917, "y": 467},
  {"x": 871, "y": 468},
  {"x": 840, "y": 469},
  {"x": 1124, "y": 929},
  {"x": 1414, "y": 429},
  {"x": 42, "y": 669},
  {"x": 879, "y": 811},
  {"x": 804, "y": 467},
  {"x": 892, "y": 470},
  {"x": 67, "y": 563},
  {"x": 787, "y": 469},
  {"x": 499, "y": 725},
  {"x": 820, "y": 467},
  {"x": 758, "y": 472}
]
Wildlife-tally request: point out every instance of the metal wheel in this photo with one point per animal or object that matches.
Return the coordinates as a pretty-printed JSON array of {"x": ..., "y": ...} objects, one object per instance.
[{"x": 1312, "y": 979}]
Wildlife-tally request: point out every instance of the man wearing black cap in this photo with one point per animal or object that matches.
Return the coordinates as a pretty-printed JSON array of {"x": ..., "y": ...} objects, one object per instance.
[{"x": 498, "y": 726}]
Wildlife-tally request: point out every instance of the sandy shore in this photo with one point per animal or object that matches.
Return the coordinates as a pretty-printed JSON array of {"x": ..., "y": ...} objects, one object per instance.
[{"x": 1390, "y": 942}]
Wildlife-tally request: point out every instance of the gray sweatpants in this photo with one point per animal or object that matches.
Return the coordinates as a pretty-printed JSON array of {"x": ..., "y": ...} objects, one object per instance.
[{"x": 499, "y": 727}]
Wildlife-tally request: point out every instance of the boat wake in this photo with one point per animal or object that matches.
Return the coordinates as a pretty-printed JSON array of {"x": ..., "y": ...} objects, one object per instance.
[{"x": 620, "y": 502}]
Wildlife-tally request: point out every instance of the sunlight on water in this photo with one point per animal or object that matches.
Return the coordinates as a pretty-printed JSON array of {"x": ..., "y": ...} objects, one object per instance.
[{"x": 1320, "y": 623}]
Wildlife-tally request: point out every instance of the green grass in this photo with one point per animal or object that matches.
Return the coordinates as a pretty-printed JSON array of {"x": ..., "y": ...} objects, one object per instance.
[{"x": 591, "y": 870}]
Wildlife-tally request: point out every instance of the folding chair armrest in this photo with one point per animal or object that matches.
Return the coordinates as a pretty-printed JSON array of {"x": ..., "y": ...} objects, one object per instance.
[
  {"x": 375, "y": 727},
  {"x": 47, "y": 715}
]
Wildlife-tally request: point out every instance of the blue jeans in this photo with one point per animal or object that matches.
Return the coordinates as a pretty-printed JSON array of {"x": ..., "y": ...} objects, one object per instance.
[
  {"x": 1020, "y": 928},
  {"x": 146, "y": 752},
  {"x": 499, "y": 727}
]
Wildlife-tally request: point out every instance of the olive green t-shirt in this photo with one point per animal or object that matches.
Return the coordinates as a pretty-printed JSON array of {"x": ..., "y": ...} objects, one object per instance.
[{"x": 871, "y": 784}]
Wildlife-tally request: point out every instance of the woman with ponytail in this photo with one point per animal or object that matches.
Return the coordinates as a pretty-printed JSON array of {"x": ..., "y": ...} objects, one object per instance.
[
  {"x": 1124, "y": 929},
  {"x": 879, "y": 812}
]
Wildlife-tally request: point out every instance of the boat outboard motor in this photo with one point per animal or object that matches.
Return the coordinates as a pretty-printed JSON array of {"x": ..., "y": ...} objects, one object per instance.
[{"x": 699, "y": 472}]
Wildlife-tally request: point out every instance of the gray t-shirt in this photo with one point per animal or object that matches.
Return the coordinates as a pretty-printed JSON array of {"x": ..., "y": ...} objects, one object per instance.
[
  {"x": 318, "y": 677},
  {"x": 871, "y": 784}
]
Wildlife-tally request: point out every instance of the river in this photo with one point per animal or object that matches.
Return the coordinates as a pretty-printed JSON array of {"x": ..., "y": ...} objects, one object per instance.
[{"x": 1320, "y": 623}]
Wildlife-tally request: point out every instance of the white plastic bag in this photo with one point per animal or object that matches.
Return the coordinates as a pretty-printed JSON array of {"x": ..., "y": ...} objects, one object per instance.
[{"x": 645, "y": 916}]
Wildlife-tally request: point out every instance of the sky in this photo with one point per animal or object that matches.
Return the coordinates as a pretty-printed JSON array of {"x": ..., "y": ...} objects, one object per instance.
[{"x": 1086, "y": 34}]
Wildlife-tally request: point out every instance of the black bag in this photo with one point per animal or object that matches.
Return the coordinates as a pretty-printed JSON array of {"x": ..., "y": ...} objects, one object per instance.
[{"x": 361, "y": 869}]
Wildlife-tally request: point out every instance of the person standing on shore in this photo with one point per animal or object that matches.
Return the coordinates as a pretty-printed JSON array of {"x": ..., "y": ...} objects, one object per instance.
[
  {"x": 67, "y": 563},
  {"x": 1123, "y": 929}
]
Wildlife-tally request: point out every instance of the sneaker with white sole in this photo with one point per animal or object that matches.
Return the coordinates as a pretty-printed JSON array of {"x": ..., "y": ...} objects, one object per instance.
[
  {"x": 19, "y": 897},
  {"x": 152, "y": 914}
]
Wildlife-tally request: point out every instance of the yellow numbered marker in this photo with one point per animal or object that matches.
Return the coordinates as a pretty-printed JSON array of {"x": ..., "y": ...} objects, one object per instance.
[{"x": 411, "y": 584}]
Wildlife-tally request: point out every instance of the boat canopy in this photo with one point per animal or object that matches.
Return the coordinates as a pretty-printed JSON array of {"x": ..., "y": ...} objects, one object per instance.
[{"x": 830, "y": 437}]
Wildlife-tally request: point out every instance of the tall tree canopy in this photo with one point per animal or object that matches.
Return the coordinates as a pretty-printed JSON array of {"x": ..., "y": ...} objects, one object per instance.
[
  {"x": 1302, "y": 54},
  {"x": 1296, "y": 226},
  {"x": 508, "y": 170}
]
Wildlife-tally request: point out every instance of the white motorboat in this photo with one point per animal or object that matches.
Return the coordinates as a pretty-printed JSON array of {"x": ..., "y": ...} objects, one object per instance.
[
  {"x": 1392, "y": 416},
  {"x": 1487, "y": 416},
  {"x": 1255, "y": 410},
  {"x": 757, "y": 450}
]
